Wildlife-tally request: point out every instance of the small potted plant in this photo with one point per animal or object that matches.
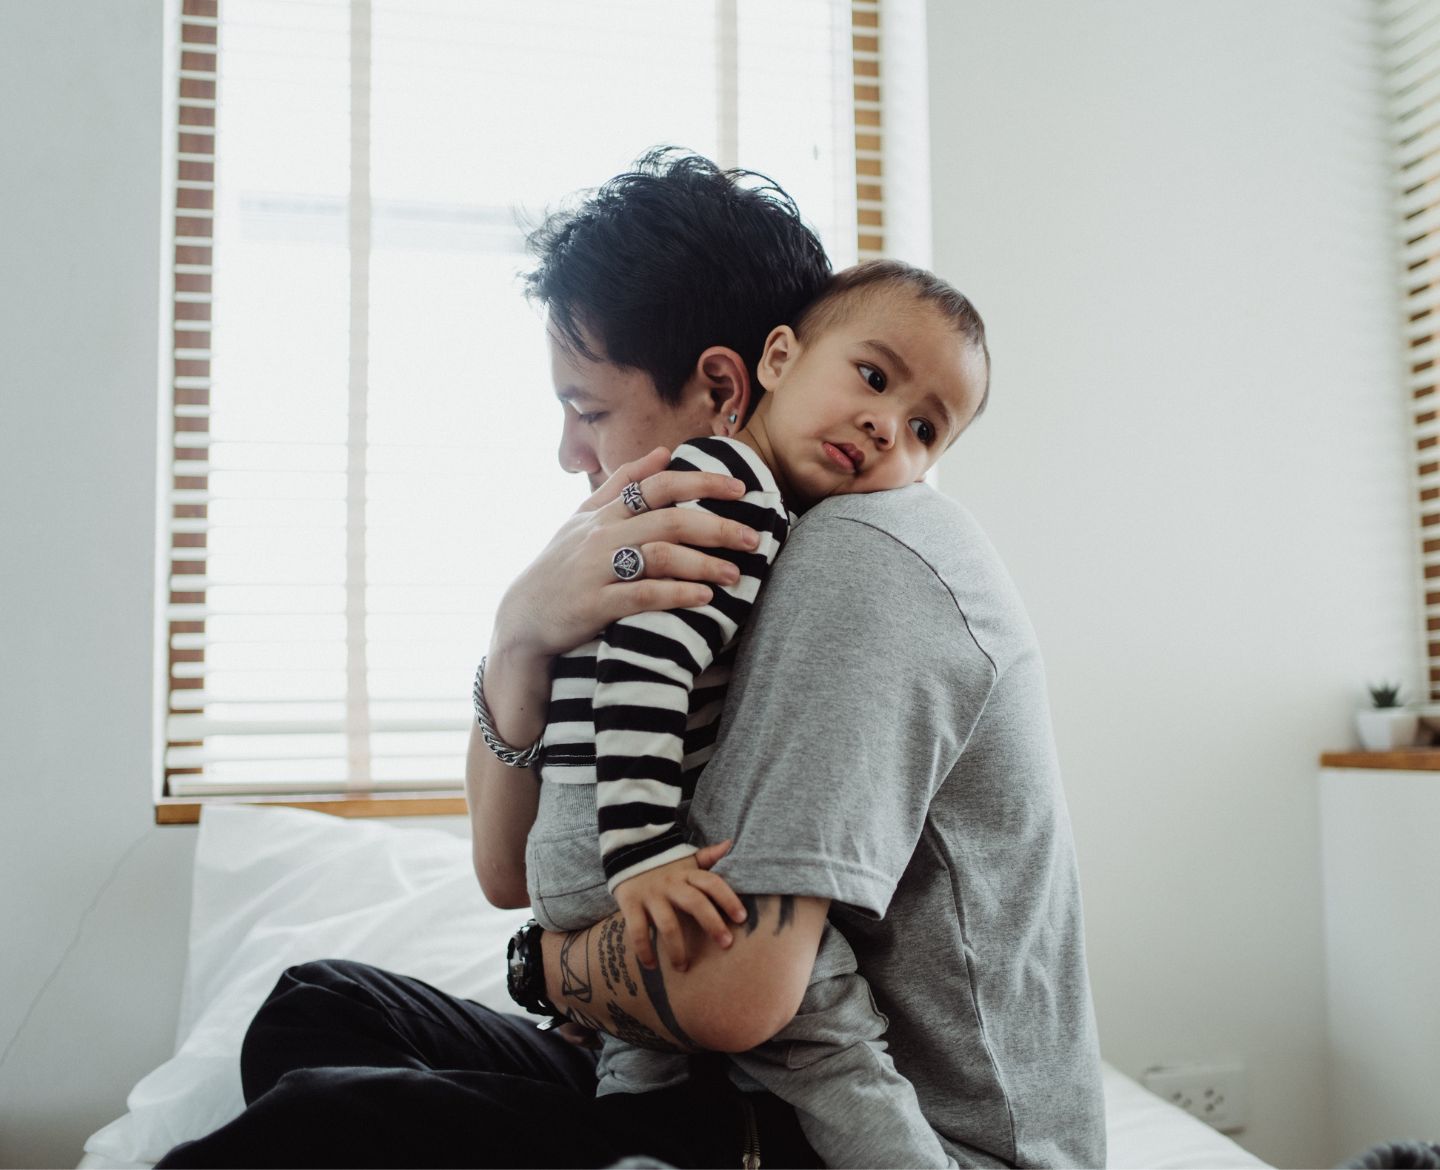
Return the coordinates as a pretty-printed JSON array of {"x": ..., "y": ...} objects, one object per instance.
[{"x": 1386, "y": 725}]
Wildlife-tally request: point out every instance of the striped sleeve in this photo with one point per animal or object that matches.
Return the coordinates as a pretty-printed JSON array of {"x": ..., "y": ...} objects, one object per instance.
[{"x": 646, "y": 667}]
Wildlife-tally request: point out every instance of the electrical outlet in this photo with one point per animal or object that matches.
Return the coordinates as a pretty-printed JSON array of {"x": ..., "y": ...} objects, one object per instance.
[{"x": 1215, "y": 1093}]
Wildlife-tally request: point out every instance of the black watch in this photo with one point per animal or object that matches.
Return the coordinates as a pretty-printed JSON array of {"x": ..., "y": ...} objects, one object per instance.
[{"x": 525, "y": 971}]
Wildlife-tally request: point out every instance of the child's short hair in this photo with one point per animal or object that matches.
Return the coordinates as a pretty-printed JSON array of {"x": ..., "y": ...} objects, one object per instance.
[
  {"x": 662, "y": 262},
  {"x": 847, "y": 290}
]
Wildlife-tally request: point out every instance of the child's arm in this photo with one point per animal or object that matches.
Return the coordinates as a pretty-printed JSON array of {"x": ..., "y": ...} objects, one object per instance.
[
  {"x": 646, "y": 667},
  {"x": 557, "y": 603},
  {"x": 657, "y": 896}
]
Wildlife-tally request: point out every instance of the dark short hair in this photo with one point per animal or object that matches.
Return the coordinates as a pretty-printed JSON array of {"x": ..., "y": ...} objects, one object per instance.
[
  {"x": 847, "y": 290},
  {"x": 668, "y": 259}
]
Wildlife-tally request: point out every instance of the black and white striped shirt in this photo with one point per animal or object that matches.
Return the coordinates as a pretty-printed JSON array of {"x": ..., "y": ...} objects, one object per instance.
[{"x": 636, "y": 711}]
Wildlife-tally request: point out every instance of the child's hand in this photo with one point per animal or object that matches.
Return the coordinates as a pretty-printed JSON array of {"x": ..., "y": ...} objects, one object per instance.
[{"x": 686, "y": 885}]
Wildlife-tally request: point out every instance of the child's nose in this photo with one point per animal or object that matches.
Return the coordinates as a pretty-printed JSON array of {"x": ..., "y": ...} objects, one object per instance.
[{"x": 881, "y": 428}]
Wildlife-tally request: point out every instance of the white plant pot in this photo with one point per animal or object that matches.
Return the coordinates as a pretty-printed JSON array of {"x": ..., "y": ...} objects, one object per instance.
[{"x": 1383, "y": 729}]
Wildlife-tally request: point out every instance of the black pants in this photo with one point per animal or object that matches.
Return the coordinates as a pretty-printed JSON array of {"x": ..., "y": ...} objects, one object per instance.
[{"x": 349, "y": 1065}]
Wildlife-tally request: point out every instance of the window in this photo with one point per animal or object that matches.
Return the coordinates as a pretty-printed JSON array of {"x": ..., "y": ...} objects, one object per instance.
[
  {"x": 363, "y": 426},
  {"x": 1411, "y": 39}
]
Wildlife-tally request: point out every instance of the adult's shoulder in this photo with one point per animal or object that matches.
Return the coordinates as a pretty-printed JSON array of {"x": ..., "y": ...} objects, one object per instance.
[
  {"x": 915, "y": 532},
  {"x": 861, "y": 672},
  {"x": 917, "y": 517}
]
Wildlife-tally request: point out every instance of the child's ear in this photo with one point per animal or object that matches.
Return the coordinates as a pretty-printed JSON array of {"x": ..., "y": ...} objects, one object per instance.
[
  {"x": 727, "y": 382},
  {"x": 781, "y": 348}
]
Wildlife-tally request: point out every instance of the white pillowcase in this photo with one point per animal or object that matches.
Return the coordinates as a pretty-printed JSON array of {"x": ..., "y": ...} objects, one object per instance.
[{"x": 275, "y": 887}]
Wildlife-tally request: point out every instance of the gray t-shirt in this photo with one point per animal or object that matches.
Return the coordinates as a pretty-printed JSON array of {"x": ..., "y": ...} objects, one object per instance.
[{"x": 886, "y": 743}]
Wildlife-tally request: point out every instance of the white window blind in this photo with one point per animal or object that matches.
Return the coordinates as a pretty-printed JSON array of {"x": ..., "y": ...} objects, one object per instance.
[
  {"x": 1410, "y": 33},
  {"x": 365, "y": 432},
  {"x": 869, "y": 145}
]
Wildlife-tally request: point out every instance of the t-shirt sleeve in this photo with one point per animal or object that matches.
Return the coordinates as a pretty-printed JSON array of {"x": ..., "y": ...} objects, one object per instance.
[
  {"x": 857, "y": 687},
  {"x": 646, "y": 667}
]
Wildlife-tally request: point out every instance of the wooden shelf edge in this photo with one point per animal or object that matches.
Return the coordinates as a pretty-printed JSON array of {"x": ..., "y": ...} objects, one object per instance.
[
  {"x": 185, "y": 810},
  {"x": 1416, "y": 759}
]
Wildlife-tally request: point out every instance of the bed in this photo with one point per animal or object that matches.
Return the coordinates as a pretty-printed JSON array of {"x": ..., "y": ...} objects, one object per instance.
[{"x": 276, "y": 886}]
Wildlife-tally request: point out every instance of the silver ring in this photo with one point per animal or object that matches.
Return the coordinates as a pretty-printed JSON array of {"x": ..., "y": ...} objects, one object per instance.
[
  {"x": 634, "y": 499},
  {"x": 627, "y": 563}
]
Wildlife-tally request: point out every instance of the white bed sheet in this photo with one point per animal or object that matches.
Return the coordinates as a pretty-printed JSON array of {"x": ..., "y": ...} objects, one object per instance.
[
  {"x": 1142, "y": 1130},
  {"x": 274, "y": 887}
]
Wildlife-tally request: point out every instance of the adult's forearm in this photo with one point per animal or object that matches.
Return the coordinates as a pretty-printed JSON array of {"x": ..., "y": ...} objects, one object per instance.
[
  {"x": 502, "y": 800},
  {"x": 726, "y": 1000}
]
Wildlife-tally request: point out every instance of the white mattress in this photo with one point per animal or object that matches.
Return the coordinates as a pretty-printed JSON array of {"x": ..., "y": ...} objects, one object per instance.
[
  {"x": 1142, "y": 1132},
  {"x": 276, "y": 886}
]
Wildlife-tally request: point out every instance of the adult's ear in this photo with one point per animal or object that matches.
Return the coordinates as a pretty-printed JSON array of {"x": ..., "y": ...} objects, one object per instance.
[{"x": 721, "y": 375}]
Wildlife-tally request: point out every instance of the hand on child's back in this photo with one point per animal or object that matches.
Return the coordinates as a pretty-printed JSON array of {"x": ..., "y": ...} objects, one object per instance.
[{"x": 652, "y": 901}]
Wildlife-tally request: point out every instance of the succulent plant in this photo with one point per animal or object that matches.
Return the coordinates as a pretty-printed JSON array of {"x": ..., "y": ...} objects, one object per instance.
[{"x": 1385, "y": 694}]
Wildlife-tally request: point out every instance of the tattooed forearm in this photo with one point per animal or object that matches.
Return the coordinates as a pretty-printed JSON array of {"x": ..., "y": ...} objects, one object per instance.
[
  {"x": 632, "y": 1031},
  {"x": 578, "y": 1017},
  {"x": 575, "y": 966},
  {"x": 598, "y": 983},
  {"x": 660, "y": 999},
  {"x": 612, "y": 956}
]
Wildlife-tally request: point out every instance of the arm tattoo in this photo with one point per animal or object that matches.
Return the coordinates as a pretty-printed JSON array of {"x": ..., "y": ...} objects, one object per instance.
[
  {"x": 612, "y": 956},
  {"x": 752, "y": 911},
  {"x": 660, "y": 1000},
  {"x": 614, "y": 961},
  {"x": 753, "y": 905},
  {"x": 787, "y": 912},
  {"x": 632, "y": 1031},
  {"x": 579, "y": 1017},
  {"x": 574, "y": 984}
]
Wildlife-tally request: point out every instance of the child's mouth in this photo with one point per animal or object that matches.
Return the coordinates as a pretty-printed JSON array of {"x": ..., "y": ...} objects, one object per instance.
[{"x": 845, "y": 456}]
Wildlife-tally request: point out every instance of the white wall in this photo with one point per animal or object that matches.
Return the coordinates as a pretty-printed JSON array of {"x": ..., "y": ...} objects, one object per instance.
[
  {"x": 95, "y": 901},
  {"x": 1174, "y": 219},
  {"x": 1382, "y": 900}
]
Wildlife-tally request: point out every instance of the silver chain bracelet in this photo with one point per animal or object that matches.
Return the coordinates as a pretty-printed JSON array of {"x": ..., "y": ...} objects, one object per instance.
[{"x": 503, "y": 751}]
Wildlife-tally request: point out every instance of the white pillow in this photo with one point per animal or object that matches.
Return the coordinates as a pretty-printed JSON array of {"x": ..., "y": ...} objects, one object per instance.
[{"x": 279, "y": 886}]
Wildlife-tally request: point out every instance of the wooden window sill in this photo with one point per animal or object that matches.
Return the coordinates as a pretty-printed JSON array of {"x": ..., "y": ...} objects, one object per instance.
[
  {"x": 185, "y": 810},
  {"x": 1415, "y": 759}
]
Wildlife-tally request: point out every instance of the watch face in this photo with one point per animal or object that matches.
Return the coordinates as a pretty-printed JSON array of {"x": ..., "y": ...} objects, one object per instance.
[{"x": 517, "y": 964}]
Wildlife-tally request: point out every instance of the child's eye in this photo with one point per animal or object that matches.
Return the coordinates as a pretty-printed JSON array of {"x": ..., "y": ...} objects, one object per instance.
[
  {"x": 923, "y": 430},
  {"x": 592, "y": 418},
  {"x": 873, "y": 376}
]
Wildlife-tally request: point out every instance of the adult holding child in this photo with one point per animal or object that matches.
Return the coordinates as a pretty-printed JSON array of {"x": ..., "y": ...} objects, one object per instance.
[{"x": 885, "y": 762}]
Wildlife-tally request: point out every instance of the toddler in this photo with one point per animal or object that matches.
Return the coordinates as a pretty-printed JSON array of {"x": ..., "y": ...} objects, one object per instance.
[{"x": 864, "y": 392}]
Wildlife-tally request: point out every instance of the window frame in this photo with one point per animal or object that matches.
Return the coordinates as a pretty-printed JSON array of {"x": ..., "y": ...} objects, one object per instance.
[{"x": 192, "y": 186}]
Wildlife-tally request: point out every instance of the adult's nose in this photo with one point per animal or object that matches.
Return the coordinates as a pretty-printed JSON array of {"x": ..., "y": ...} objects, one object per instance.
[{"x": 577, "y": 453}]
